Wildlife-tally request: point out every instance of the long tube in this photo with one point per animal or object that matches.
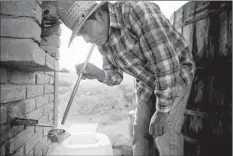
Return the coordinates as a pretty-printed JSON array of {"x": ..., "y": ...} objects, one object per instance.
[{"x": 76, "y": 86}]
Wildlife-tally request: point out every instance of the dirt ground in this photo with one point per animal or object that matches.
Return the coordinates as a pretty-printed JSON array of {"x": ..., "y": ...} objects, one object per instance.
[{"x": 98, "y": 103}]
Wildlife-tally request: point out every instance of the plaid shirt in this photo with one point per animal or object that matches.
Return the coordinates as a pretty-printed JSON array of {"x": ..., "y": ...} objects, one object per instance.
[{"x": 144, "y": 44}]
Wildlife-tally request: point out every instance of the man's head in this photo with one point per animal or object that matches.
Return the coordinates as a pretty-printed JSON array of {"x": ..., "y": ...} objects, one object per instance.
[
  {"x": 85, "y": 18},
  {"x": 95, "y": 28}
]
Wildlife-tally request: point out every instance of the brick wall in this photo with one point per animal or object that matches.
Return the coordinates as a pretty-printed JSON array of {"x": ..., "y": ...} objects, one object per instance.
[
  {"x": 25, "y": 94},
  {"x": 27, "y": 78}
]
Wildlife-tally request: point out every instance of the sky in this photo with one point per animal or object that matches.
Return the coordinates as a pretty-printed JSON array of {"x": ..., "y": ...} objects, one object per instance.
[{"x": 78, "y": 50}]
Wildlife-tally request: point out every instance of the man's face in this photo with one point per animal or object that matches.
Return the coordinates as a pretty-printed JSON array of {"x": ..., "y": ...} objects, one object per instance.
[{"x": 96, "y": 30}]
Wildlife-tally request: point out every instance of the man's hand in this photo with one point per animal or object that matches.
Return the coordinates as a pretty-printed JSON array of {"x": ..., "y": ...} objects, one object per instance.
[
  {"x": 90, "y": 72},
  {"x": 158, "y": 124}
]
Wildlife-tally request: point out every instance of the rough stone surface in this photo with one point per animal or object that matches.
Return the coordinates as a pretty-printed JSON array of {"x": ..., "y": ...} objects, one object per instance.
[
  {"x": 51, "y": 80},
  {"x": 20, "y": 28},
  {"x": 51, "y": 115},
  {"x": 21, "y": 51},
  {"x": 20, "y": 77},
  {"x": 30, "y": 105},
  {"x": 50, "y": 73},
  {"x": 56, "y": 65},
  {"x": 3, "y": 75},
  {"x": 36, "y": 114},
  {"x": 38, "y": 148},
  {"x": 42, "y": 79},
  {"x": 48, "y": 89},
  {"x": 20, "y": 139},
  {"x": 52, "y": 40},
  {"x": 49, "y": 61},
  {"x": 22, "y": 8},
  {"x": 48, "y": 108},
  {"x": 44, "y": 119},
  {"x": 2, "y": 150},
  {"x": 33, "y": 141},
  {"x": 51, "y": 97},
  {"x": 34, "y": 90},
  {"x": 3, "y": 114},
  {"x": 12, "y": 93},
  {"x": 52, "y": 51},
  {"x": 19, "y": 152},
  {"x": 42, "y": 100}
]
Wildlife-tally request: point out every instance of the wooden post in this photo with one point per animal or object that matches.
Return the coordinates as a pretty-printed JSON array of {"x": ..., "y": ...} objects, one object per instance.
[{"x": 55, "y": 110}]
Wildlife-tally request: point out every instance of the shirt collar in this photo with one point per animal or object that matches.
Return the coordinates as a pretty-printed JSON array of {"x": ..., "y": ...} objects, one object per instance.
[{"x": 115, "y": 17}]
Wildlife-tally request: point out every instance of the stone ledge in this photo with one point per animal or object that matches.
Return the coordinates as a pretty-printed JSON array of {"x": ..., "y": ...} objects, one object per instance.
[
  {"x": 25, "y": 54},
  {"x": 22, "y": 27},
  {"x": 30, "y": 9}
]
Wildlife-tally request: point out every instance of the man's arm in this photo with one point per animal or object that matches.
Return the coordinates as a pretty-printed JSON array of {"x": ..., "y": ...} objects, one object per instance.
[{"x": 112, "y": 74}]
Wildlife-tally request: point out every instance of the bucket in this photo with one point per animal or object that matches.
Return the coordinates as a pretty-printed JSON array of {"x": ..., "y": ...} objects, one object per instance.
[{"x": 80, "y": 144}]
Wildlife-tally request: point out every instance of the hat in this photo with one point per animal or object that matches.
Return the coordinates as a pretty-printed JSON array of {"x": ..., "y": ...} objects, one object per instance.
[{"x": 74, "y": 13}]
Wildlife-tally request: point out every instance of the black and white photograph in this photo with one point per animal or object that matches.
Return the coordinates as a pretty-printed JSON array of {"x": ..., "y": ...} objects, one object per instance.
[{"x": 115, "y": 78}]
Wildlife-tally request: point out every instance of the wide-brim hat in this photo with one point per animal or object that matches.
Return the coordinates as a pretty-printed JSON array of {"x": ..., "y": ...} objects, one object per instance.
[{"x": 74, "y": 13}]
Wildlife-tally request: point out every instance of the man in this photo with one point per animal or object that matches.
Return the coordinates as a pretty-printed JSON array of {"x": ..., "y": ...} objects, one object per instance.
[{"x": 136, "y": 38}]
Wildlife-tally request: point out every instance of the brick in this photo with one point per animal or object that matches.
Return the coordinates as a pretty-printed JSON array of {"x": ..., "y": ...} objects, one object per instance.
[
  {"x": 44, "y": 119},
  {"x": 38, "y": 148},
  {"x": 50, "y": 73},
  {"x": 3, "y": 134},
  {"x": 36, "y": 114},
  {"x": 48, "y": 108},
  {"x": 30, "y": 104},
  {"x": 22, "y": 8},
  {"x": 20, "y": 139},
  {"x": 19, "y": 152},
  {"x": 12, "y": 93},
  {"x": 40, "y": 153},
  {"x": 52, "y": 51},
  {"x": 15, "y": 130},
  {"x": 51, "y": 115},
  {"x": 15, "y": 109},
  {"x": 42, "y": 79},
  {"x": 56, "y": 65},
  {"x": 42, "y": 100},
  {"x": 51, "y": 80},
  {"x": 22, "y": 52},
  {"x": 3, "y": 75},
  {"x": 31, "y": 153},
  {"x": 49, "y": 61},
  {"x": 20, "y": 77},
  {"x": 51, "y": 41},
  {"x": 33, "y": 91},
  {"x": 48, "y": 89},
  {"x": 2, "y": 150},
  {"x": 3, "y": 114},
  {"x": 31, "y": 143},
  {"x": 20, "y": 28},
  {"x": 38, "y": 129},
  {"x": 7, "y": 132},
  {"x": 51, "y": 97},
  {"x": 49, "y": 5},
  {"x": 45, "y": 149}
]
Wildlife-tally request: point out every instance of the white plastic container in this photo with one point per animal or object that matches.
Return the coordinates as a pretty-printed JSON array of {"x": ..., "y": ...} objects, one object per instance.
[{"x": 84, "y": 144}]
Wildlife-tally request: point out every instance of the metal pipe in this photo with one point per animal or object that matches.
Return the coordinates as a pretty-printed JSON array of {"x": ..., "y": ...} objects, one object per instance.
[
  {"x": 76, "y": 86},
  {"x": 44, "y": 125}
]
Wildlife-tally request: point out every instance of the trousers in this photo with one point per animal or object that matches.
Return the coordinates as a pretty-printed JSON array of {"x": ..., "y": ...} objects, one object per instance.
[{"x": 169, "y": 144}]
